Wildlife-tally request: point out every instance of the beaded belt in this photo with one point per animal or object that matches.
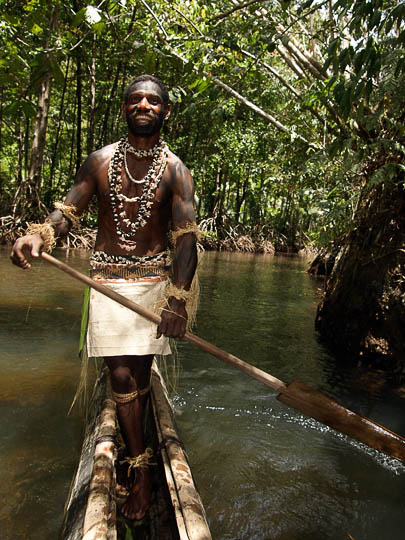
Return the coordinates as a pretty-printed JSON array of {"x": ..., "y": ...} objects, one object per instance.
[{"x": 129, "y": 267}]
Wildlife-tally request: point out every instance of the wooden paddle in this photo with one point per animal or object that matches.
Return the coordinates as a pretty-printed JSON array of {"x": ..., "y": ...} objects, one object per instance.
[{"x": 296, "y": 394}]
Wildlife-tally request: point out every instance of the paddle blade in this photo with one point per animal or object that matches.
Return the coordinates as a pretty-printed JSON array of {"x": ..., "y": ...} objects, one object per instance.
[{"x": 328, "y": 411}]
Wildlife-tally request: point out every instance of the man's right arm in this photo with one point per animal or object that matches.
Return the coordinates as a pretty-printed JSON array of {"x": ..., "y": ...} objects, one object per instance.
[{"x": 79, "y": 197}]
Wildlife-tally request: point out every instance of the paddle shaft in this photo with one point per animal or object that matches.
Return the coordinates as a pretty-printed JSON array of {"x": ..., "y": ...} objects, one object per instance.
[
  {"x": 239, "y": 364},
  {"x": 296, "y": 394}
]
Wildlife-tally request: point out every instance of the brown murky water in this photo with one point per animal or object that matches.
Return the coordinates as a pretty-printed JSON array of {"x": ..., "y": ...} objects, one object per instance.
[{"x": 264, "y": 471}]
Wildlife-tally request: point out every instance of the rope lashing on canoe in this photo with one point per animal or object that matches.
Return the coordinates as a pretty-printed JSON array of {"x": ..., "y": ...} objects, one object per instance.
[
  {"x": 69, "y": 212},
  {"x": 130, "y": 396},
  {"x": 170, "y": 440},
  {"x": 143, "y": 461},
  {"x": 106, "y": 438},
  {"x": 46, "y": 232}
]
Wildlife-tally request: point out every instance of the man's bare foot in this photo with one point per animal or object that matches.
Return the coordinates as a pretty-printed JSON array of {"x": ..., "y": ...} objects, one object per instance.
[{"x": 137, "y": 503}]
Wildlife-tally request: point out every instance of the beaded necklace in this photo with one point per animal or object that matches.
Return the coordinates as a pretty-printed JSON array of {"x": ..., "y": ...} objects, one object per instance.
[
  {"x": 145, "y": 200},
  {"x": 141, "y": 153}
]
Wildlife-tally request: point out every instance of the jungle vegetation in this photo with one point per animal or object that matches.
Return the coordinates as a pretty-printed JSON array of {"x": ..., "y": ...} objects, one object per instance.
[{"x": 289, "y": 114}]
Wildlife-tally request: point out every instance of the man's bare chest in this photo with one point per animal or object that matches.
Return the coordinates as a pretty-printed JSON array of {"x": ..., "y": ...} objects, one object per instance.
[{"x": 131, "y": 197}]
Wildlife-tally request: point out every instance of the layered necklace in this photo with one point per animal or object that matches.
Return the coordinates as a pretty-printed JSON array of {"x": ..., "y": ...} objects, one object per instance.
[{"x": 145, "y": 200}]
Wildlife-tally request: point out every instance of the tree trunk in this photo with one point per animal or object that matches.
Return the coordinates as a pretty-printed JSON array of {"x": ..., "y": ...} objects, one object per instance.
[
  {"x": 92, "y": 104},
  {"x": 240, "y": 197},
  {"x": 26, "y": 145},
  {"x": 27, "y": 200},
  {"x": 20, "y": 154},
  {"x": 215, "y": 199},
  {"x": 79, "y": 111},
  {"x": 221, "y": 196},
  {"x": 58, "y": 130},
  {"x": 103, "y": 135},
  {"x": 362, "y": 312}
]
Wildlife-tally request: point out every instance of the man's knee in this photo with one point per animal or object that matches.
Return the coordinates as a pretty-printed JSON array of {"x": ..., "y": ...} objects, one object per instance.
[
  {"x": 140, "y": 369},
  {"x": 121, "y": 378}
]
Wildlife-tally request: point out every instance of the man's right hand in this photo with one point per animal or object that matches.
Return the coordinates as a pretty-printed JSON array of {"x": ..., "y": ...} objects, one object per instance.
[{"x": 27, "y": 246}]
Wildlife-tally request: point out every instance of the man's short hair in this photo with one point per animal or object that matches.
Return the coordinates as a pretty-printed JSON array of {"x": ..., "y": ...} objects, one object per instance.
[{"x": 146, "y": 77}]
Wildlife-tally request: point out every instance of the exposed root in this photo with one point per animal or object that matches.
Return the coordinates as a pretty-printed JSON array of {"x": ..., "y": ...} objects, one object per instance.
[{"x": 12, "y": 228}]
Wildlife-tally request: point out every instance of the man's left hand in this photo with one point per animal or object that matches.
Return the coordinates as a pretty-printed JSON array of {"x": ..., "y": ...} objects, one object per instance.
[{"x": 174, "y": 319}]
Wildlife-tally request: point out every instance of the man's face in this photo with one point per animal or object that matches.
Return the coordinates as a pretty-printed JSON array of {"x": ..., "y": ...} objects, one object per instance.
[{"x": 144, "y": 111}]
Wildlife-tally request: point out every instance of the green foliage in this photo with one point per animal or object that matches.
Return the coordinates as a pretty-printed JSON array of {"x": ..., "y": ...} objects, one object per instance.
[{"x": 340, "y": 104}]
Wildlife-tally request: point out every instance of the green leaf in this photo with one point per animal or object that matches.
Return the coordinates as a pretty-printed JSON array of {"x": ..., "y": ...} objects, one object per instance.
[
  {"x": 335, "y": 148},
  {"x": 28, "y": 109},
  {"x": 79, "y": 17},
  {"x": 358, "y": 61},
  {"x": 304, "y": 6},
  {"x": 150, "y": 61},
  {"x": 56, "y": 72},
  {"x": 217, "y": 114},
  {"x": 332, "y": 192},
  {"x": 203, "y": 84},
  {"x": 398, "y": 12},
  {"x": 346, "y": 102},
  {"x": 343, "y": 59},
  {"x": 389, "y": 23},
  {"x": 374, "y": 66},
  {"x": 340, "y": 3},
  {"x": 330, "y": 83},
  {"x": 375, "y": 19},
  {"x": 285, "y": 4},
  {"x": 338, "y": 91},
  {"x": 36, "y": 29},
  {"x": 194, "y": 84},
  {"x": 369, "y": 89},
  {"x": 12, "y": 108},
  {"x": 327, "y": 63},
  {"x": 358, "y": 90},
  {"x": 100, "y": 27},
  {"x": 128, "y": 533},
  {"x": 191, "y": 109},
  {"x": 332, "y": 46}
]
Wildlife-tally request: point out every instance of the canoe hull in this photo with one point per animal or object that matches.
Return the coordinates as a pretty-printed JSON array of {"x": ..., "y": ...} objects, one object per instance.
[{"x": 176, "y": 509}]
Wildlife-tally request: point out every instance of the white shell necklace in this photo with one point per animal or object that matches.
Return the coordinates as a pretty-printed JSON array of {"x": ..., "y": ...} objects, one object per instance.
[
  {"x": 141, "y": 153},
  {"x": 145, "y": 200},
  {"x": 130, "y": 177}
]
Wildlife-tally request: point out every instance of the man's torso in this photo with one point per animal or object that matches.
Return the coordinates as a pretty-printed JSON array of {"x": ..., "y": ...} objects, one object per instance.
[{"x": 152, "y": 237}]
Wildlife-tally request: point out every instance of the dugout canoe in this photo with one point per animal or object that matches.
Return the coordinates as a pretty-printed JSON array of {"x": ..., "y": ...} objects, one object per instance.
[{"x": 92, "y": 508}]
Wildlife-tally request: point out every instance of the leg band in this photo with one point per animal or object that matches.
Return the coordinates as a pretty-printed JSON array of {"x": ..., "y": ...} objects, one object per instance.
[
  {"x": 143, "y": 461},
  {"x": 131, "y": 396},
  {"x": 125, "y": 398}
]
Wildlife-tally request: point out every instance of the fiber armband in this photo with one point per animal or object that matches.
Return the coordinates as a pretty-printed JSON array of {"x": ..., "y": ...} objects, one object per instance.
[
  {"x": 46, "y": 231},
  {"x": 189, "y": 228}
]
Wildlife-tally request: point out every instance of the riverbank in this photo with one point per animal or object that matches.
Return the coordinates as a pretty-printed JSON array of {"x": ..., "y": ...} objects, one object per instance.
[{"x": 231, "y": 239}]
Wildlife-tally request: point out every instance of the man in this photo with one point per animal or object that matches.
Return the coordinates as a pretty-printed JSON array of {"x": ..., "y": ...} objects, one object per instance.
[{"x": 143, "y": 189}]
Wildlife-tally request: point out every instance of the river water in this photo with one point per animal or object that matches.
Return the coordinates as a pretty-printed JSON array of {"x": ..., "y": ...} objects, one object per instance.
[{"x": 264, "y": 470}]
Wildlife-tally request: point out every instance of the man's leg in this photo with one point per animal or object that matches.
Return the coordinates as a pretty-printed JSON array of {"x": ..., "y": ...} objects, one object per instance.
[{"x": 130, "y": 374}]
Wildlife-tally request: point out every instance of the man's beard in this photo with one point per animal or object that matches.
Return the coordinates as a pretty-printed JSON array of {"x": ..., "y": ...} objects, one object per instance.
[{"x": 148, "y": 129}]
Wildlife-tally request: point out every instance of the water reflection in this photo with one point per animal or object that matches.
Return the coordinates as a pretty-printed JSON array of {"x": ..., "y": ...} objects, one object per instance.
[
  {"x": 39, "y": 443},
  {"x": 265, "y": 471}
]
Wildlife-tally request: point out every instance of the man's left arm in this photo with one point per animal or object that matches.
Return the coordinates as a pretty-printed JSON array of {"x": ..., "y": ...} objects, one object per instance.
[{"x": 174, "y": 316}]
